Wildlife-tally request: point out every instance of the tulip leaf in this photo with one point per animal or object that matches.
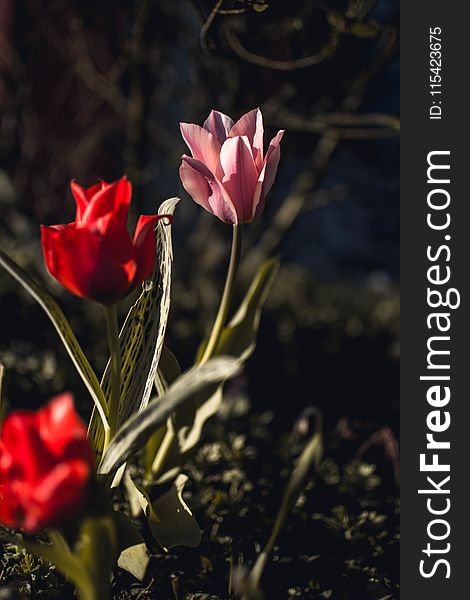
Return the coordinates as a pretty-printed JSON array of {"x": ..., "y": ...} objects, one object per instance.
[
  {"x": 238, "y": 339},
  {"x": 59, "y": 554},
  {"x": 55, "y": 314},
  {"x": 98, "y": 550},
  {"x": 142, "y": 334},
  {"x": 133, "y": 557},
  {"x": 134, "y": 434},
  {"x": 135, "y": 560},
  {"x": 90, "y": 565},
  {"x": 311, "y": 455},
  {"x": 168, "y": 370},
  {"x": 169, "y": 517}
]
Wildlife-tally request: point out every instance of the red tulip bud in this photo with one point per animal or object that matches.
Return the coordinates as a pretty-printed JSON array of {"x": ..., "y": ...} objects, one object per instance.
[{"x": 95, "y": 257}]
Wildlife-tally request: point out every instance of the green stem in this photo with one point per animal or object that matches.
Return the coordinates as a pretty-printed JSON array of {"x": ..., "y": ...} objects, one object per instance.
[
  {"x": 226, "y": 296},
  {"x": 112, "y": 331}
]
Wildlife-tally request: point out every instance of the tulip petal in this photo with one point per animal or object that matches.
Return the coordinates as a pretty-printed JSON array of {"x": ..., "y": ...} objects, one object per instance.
[
  {"x": 81, "y": 200},
  {"x": 59, "y": 496},
  {"x": 268, "y": 173},
  {"x": 203, "y": 145},
  {"x": 251, "y": 125},
  {"x": 88, "y": 264},
  {"x": 240, "y": 175},
  {"x": 145, "y": 248},
  {"x": 82, "y": 196},
  {"x": 21, "y": 438},
  {"x": 40, "y": 488},
  {"x": 112, "y": 199},
  {"x": 207, "y": 190},
  {"x": 61, "y": 430},
  {"x": 219, "y": 125}
]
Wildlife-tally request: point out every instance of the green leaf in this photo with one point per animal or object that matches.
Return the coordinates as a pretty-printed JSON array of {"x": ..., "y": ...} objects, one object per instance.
[
  {"x": 169, "y": 517},
  {"x": 142, "y": 334},
  {"x": 98, "y": 550},
  {"x": 133, "y": 554},
  {"x": 136, "y": 431},
  {"x": 55, "y": 314},
  {"x": 238, "y": 339},
  {"x": 90, "y": 565},
  {"x": 168, "y": 370},
  {"x": 58, "y": 553},
  {"x": 135, "y": 560},
  {"x": 311, "y": 455}
]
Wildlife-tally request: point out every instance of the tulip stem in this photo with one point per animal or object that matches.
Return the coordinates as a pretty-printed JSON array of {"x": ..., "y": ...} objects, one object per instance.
[
  {"x": 224, "y": 307},
  {"x": 112, "y": 330}
]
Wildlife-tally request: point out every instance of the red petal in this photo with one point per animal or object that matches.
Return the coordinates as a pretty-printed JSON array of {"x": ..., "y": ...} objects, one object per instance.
[
  {"x": 58, "y": 497},
  {"x": 144, "y": 247},
  {"x": 61, "y": 429},
  {"x": 111, "y": 199},
  {"x": 88, "y": 264},
  {"x": 29, "y": 458}
]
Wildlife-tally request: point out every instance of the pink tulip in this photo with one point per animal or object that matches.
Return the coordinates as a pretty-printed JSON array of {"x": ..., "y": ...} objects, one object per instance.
[{"x": 228, "y": 174}]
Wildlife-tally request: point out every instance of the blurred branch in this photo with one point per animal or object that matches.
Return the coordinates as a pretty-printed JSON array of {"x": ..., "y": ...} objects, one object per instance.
[
  {"x": 281, "y": 65},
  {"x": 359, "y": 9},
  {"x": 76, "y": 47},
  {"x": 96, "y": 81},
  {"x": 136, "y": 98},
  {"x": 206, "y": 26},
  {"x": 378, "y": 125},
  {"x": 304, "y": 185}
]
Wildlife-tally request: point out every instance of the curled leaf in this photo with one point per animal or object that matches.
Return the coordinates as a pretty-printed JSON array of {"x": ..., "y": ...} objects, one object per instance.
[{"x": 142, "y": 335}]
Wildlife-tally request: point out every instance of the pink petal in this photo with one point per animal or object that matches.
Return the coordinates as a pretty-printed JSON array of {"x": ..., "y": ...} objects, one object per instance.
[
  {"x": 251, "y": 125},
  {"x": 240, "y": 175},
  {"x": 194, "y": 177},
  {"x": 206, "y": 189},
  {"x": 270, "y": 165},
  {"x": 219, "y": 125},
  {"x": 203, "y": 145}
]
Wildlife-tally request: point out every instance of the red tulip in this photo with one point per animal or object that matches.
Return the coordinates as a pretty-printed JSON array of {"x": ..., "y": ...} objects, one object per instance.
[
  {"x": 45, "y": 466},
  {"x": 95, "y": 257},
  {"x": 228, "y": 174}
]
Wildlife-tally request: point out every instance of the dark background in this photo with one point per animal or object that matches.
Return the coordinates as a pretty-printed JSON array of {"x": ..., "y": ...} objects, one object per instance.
[{"x": 97, "y": 89}]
